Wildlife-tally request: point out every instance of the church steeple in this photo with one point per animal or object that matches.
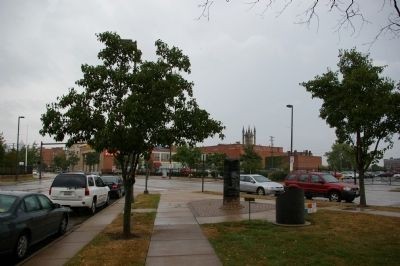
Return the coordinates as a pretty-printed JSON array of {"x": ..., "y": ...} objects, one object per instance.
[{"x": 249, "y": 136}]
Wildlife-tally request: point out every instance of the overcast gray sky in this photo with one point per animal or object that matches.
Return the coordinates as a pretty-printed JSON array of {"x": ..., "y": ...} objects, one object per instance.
[{"x": 246, "y": 66}]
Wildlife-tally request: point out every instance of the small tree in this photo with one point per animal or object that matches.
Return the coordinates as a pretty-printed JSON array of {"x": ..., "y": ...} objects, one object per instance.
[
  {"x": 250, "y": 160},
  {"x": 341, "y": 157},
  {"x": 2, "y": 149},
  {"x": 187, "y": 156},
  {"x": 362, "y": 106},
  {"x": 72, "y": 159},
  {"x": 129, "y": 106},
  {"x": 91, "y": 159},
  {"x": 32, "y": 152},
  {"x": 60, "y": 162},
  {"x": 215, "y": 162}
]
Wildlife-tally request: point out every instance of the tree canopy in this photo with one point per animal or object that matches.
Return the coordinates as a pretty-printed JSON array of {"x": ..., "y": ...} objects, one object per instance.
[
  {"x": 362, "y": 106},
  {"x": 188, "y": 156},
  {"x": 127, "y": 106}
]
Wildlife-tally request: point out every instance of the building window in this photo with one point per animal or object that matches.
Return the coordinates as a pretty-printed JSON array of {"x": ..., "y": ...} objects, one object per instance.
[
  {"x": 156, "y": 156},
  {"x": 165, "y": 157}
]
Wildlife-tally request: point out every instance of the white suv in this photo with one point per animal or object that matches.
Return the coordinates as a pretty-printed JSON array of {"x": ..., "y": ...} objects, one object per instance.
[{"x": 77, "y": 190}]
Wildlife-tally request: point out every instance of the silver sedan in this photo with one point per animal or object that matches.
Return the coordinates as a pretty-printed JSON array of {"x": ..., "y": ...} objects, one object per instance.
[{"x": 259, "y": 184}]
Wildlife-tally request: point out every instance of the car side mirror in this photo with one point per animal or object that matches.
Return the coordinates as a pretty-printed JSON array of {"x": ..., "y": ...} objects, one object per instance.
[
  {"x": 56, "y": 205},
  {"x": 322, "y": 182},
  {"x": 252, "y": 181}
]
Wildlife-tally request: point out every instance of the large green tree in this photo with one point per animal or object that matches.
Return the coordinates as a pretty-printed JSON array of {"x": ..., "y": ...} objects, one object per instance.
[
  {"x": 362, "y": 106},
  {"x": 128, "y": 106}
]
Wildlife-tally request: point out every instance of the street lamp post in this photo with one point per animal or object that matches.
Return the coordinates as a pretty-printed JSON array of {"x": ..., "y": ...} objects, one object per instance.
[
  {"x": 291, "y": 138},
  {"x": 203, "y": 158},
  {"x": 17, "y": 165}
]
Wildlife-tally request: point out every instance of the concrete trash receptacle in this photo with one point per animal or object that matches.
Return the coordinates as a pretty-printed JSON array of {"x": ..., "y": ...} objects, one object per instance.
[{"x": 290, "y": 207}]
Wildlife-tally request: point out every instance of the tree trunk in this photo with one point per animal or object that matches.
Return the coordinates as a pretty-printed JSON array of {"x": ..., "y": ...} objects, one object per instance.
[
  {"x": 127, "y": 207},
  {"x": 360, "y": 167},
  {"x": 363, "y": 201}
]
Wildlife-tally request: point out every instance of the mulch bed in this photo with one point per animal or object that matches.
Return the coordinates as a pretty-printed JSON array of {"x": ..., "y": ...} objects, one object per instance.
[{"x": 213, "y": 208}]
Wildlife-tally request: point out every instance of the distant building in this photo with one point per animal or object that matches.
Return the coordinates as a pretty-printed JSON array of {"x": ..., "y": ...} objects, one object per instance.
[
  {"x": 106, "y": 159},
  {"x": 161, "y": 158},
  {"x": 272, "y": 157},
  {"x": 392, "y": 164},
  {"x": 48, "y": 155}
]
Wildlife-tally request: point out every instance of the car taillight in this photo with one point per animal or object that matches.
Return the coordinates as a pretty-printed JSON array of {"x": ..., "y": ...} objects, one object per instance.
[
  {"x": 86, "y": 191},
  {"x": 49, "y": 191},
  {"x": 114, "y": 186}
]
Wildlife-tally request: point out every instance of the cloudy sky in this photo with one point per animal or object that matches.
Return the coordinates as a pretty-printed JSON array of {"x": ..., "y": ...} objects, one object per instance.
[{"x": 246, "y": 63}]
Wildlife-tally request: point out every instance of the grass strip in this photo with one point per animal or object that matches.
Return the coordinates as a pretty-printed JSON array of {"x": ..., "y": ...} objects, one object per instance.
[
  {"x": 111, "y": 248},
  {"x": 333, "y": 238}
]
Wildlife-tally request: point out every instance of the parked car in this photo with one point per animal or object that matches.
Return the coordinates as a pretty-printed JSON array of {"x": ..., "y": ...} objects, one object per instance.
[
  {"x": 318, "y": 184},
  {"x": 259, "y": 184},
  {"x": 27, "y": 218},
  {"x": 115, "y": 183},
  {"x": 386, "y": 174},
  {"x": 337, "y": 174},
  {"x": 348, "y": 175},
  {"x": 79, "y": 190}
]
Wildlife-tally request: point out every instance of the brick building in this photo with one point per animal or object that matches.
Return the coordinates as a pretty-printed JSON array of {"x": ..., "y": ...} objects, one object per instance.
[
  {"x": 272, "y": 157},
  {"x": 106, "y": 160},
  {"x": 49, "y": 154},
  {"x": 392, "y": 164}
]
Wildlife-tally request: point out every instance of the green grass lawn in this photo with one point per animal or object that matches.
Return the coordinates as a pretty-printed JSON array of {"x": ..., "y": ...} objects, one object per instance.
[{"x": 333, "y": 238}]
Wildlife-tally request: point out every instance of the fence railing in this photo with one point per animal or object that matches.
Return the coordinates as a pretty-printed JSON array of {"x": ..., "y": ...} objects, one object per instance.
[{"x": 13, "y": 170}]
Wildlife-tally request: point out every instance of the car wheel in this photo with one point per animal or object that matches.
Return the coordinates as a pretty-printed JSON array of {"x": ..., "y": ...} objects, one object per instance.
[
  {"x": 92, "y": 209},
  {"x": 334, "y": 196},
  {"x": 260, "y": 191},
  {"x": 21, "y": 248},
  {"x": 63, "y": 225}
]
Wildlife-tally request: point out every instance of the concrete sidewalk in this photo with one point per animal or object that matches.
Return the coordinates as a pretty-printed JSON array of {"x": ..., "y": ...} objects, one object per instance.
[{"x": 177, "y": 237}]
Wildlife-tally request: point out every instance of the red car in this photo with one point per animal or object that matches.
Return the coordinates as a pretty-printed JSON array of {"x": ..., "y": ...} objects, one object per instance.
[{"x": 319, "y": 184}]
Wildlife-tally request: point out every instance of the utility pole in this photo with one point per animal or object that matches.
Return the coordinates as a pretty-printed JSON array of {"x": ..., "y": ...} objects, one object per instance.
[{"x": 271, "y": 139}]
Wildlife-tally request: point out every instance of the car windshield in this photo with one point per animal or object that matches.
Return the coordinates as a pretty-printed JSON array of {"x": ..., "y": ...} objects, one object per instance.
[
  {"x": 76, "y": 181},
  {"x": 109, "y": 179},
  {"x": 6, "y": 201},
  {"x": 261, "y": 179},
  {"x": 330, "y": 179}
]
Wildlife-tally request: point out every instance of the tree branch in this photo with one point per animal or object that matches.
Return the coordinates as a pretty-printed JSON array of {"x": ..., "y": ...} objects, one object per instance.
[{"x": 349, "y": 11}]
